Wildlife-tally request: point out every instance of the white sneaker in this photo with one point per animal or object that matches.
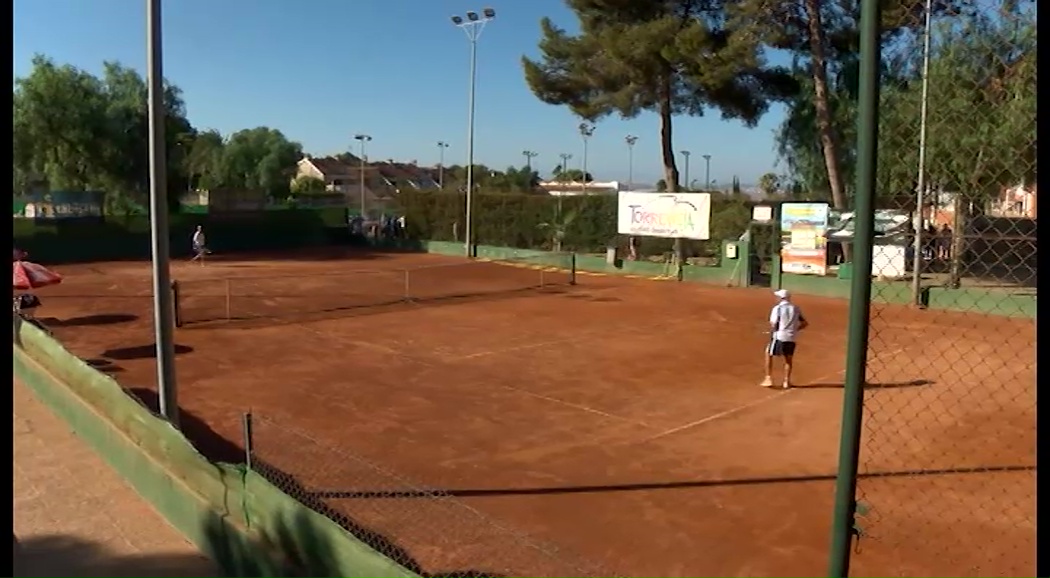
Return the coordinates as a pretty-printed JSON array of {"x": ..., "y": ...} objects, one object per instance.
[
  {"x": 767, "y": 382},
  {"x": 785, "y": 385}
]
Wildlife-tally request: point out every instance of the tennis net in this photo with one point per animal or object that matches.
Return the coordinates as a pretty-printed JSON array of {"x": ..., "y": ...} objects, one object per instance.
[{"x": 304, "y": 296}]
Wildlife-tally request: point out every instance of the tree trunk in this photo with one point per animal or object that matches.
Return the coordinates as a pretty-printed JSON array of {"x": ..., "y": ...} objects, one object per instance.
[
  {"x": 667, "y": 146},
  {"x": 670, "y": 168},
  {"x": 825, "y": 126}
]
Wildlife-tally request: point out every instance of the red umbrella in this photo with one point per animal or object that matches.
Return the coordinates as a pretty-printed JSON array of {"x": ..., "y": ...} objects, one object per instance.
[{"x": 32, "y": 276}]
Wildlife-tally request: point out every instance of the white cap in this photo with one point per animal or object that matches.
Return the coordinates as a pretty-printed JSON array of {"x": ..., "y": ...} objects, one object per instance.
[{"x": 782, "y": 293}]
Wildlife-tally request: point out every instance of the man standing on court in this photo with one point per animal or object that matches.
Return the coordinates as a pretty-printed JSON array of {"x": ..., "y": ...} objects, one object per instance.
[
  {"x": 199, "y": 248},
  {"x": 785, "y": 321}
]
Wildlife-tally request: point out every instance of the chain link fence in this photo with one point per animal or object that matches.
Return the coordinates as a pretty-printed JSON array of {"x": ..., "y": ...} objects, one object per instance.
[
  {"x": 427, "y": 531},
  {"x": 947, "y": 480}
]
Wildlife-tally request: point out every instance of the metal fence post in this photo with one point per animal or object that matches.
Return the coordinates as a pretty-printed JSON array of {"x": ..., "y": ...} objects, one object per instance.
[
  {"x": 860, "y": 292},
  {"x": 246, "y": 429},
  {"x": 572, "y": 268},
  {"x": 408, "y": 287},
  {"x": 229, "y": 306},
  {"x": 176, "y": 304}
]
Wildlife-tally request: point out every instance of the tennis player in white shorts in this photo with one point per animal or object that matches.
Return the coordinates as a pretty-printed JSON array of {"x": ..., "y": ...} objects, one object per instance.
[
  {"x": 785, "y": 322},
  {"x": 200, "y": 249}
]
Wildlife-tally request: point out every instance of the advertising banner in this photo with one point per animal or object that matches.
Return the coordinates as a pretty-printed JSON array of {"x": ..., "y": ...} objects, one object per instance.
[
  {"x": 671, "y": 215},
  {"x": 804, "y": 227}
]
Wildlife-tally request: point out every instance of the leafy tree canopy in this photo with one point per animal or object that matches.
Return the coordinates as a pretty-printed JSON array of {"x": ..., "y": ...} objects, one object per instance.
[
  {"x": 77, "y": 131},
  {"x": 671, "y": 57}
]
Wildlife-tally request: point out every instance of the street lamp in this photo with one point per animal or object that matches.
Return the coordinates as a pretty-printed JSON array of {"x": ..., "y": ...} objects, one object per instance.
[
  {"x": 630, "y": 140},
  {"x": 472, "y": 26},
  {"x": 163, "y": 306},
  {"x": 362, "y": 138},
  {"x": 586, "y": 131},
  {"x": 920, "y": 185},
  {"x": 442, "y": 145},
  {"x": 685, "y": 154},
  {"x": 529, "y": 155},
  {"x": 707, "y": 172}
]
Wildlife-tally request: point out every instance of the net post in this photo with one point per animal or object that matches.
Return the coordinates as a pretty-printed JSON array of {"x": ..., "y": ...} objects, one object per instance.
[
  {"x": 408, "y": 287},
  {"x": 249, "y": 438},
  {"x": 542, "y": 268},
  {"x": 176, "y": 304},
  {"x": 226, "y": 287},
  {"x": 572, "y": 268}
]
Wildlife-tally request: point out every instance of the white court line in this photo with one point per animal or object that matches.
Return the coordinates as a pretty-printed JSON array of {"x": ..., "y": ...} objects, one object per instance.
[
  {"x": 546, "y": 398},
  {"x": 585, "y": 408},
  {"x": 750, "y": 404},
  {"x": 719, "y": 415},
  {"x": 364, "y": 344},
  {"x": 514, "y": 349}
]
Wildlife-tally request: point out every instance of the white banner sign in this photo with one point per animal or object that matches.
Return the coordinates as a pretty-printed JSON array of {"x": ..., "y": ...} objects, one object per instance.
[{"x": 685, "y": 215}]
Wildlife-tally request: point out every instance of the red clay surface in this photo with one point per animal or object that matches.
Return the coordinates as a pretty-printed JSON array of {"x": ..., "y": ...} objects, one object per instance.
[{"x": 620, "y": 420}]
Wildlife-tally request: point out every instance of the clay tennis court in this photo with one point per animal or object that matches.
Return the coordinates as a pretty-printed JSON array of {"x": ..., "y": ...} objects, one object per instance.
[{"x": 619, "y": 419}]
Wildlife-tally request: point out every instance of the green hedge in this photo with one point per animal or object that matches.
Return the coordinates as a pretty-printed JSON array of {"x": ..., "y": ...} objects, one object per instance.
[
  {"x": 86, "y": 239},
  {"x": 514, "y": 220}
]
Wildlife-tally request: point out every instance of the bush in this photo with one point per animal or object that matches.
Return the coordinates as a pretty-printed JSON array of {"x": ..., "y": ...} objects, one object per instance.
[{"x": 515, "y": 219}]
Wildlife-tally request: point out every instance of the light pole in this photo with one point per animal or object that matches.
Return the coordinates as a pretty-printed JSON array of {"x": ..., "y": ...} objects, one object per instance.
[
  {"x": 442, "y": 145},
  {"x": 529, "y": 155},
  {"x": 362, "y": 138},
  {"x": 586, "y": 131},
  {"x": 565, "y": 158},
  {"x": 707, "y": 172},
  {"x": 920, "y": 184},
  {"x": 472, "y": 26},
  {"x": 630, "y": 140},
  {"x": 163, "y": 301},
  {"x": 685, "y": 155}
]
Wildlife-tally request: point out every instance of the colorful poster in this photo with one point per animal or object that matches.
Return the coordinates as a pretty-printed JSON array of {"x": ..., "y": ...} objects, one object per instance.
[
  {"x": 803, "y": 228},
  {"x": 672, "y": 215}
]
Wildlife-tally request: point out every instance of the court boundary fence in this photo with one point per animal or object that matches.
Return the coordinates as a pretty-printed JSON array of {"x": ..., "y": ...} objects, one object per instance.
[
  {"x": 971, "y": 95},
  {"x": 427, "y": 530},
  {"x": 364, "y": 289}
]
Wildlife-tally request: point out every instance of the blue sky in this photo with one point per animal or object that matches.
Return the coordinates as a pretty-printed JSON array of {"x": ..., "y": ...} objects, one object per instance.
[{"x": 322, "y": 70}]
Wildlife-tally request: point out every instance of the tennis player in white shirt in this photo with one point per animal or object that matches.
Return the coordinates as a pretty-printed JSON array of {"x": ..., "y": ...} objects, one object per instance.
[
  {"x": 199, "y": 247},
  {"x": 785, "y": 322}
]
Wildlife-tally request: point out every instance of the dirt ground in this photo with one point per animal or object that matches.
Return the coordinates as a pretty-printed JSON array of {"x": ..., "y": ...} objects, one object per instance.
[{"x": 619, "y": 419}]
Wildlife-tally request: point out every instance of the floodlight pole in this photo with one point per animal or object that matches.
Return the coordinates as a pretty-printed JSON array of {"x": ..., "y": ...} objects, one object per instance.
[
  {"x": 707, "y": 172},
  {"x": 630, "y": 140},
  {"x": 442, "y": 145},
  {"x": 472, "y": 26},
  {"x": 586, "y": 131},
  {"x": 529, "y": 155},
  {"x": 163, "y": 301},
  {"x": 565, "y": 158},
  {"x": 920, "y": 184},
  {"x": 685, "y": 155},
  {"x": 362, "y": 138}
]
